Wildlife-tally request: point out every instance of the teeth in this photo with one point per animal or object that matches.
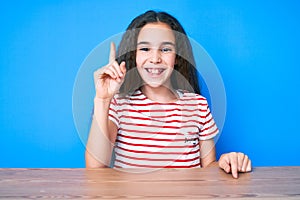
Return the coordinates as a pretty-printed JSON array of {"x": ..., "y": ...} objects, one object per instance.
[{"x": 155, "y": 71}]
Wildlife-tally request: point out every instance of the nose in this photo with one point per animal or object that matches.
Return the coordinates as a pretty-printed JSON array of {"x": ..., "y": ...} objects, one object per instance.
[{"x": 155, "y": 56}]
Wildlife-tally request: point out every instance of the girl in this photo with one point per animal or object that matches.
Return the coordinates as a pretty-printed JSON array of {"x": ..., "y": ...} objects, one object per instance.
[{"x": 148, "y": 105}]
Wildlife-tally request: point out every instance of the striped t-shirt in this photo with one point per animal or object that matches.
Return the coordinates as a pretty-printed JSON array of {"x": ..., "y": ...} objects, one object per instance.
[{"x": 160, "y": 135}]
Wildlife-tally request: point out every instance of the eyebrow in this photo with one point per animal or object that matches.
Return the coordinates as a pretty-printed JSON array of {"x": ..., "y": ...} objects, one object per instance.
[{"x": 163, "y": 43}]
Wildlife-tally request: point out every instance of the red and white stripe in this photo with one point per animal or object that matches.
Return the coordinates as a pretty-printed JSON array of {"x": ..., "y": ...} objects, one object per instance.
[{"x": 160, "y": 135}]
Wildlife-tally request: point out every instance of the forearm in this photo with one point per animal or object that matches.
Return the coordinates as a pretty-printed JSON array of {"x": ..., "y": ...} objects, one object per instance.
[
  {"x": 208, "y": 161},
  {"x": 101, "y": 111},
  {"x": 207, "y": 152},
  {"x": 99, "y": 146}
]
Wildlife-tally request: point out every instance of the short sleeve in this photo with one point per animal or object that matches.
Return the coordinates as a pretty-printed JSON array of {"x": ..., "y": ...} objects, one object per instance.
[
  {"x": 209, "y": 128},
  {"x": 113, "y": 112}
]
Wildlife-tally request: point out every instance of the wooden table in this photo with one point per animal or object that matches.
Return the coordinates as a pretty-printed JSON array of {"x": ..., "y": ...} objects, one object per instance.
[{"x": 263, "y": 183}]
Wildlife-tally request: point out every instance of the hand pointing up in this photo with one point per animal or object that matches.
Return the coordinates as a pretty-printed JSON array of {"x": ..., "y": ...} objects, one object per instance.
[{"x": 108, "y": 79}]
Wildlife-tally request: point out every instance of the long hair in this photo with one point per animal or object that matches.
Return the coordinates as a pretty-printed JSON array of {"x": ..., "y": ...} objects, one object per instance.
[{"x": 185, "y": 63}]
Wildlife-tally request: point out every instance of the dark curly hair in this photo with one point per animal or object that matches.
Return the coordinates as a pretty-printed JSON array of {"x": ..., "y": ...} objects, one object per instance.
[{"x": 185, "y": 63}]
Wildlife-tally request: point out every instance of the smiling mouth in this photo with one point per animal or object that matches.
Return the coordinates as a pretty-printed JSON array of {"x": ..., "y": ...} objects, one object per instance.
[{"x": 155, "y": 71}]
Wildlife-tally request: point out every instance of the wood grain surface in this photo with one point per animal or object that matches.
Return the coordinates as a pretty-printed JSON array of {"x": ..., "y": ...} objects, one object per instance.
[{"x": 107, "y": 183}]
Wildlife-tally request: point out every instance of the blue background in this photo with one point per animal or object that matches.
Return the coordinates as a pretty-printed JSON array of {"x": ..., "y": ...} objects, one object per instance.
[{"x": 254, "y": 44}]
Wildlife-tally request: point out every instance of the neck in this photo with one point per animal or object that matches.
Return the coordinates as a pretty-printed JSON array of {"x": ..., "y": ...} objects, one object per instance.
[{"x": 160, "y": 94}]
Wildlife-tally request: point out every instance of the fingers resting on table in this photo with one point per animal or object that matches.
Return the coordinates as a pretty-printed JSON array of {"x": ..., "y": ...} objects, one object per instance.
[{"x": 235, "y": 162}]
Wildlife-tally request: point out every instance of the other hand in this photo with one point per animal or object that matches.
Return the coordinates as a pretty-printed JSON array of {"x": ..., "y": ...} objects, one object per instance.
[{"x": 235, "y": 162}]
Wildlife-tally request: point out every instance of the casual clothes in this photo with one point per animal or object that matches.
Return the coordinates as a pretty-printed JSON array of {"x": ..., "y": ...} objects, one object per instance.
[{"x": 158, "y": 135}]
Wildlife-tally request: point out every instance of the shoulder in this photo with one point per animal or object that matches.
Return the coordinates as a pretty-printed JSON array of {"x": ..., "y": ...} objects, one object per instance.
[{"x": 186, "y": 95}]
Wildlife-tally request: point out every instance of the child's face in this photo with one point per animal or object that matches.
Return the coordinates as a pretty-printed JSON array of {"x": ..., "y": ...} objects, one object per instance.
[{"x": 156, "y": 53}]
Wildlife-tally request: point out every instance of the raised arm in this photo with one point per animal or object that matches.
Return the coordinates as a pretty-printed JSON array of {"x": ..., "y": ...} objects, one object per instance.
[{"x": 103, "y": 132}]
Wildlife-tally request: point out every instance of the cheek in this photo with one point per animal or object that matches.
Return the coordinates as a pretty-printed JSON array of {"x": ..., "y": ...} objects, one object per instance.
[
  {"x": 139, "y": 59},
  {"x": 171, "y": 60}
]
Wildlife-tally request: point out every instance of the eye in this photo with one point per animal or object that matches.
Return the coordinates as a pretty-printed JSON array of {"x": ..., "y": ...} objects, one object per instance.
[
  {"x": 144, "y": 49},
  {"x": 166, "y": 49}
]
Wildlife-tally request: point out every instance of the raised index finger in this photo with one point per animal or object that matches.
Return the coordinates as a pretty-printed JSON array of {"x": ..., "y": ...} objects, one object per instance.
[{"x": 112, "y": 53}]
